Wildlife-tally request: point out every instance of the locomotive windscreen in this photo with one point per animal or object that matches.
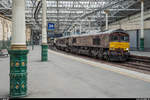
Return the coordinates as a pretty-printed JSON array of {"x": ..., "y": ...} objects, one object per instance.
[
  {"x": 124, "y": 38},
  {"x": 114, "y": 37},
  {"x": 119, "y": 37}
]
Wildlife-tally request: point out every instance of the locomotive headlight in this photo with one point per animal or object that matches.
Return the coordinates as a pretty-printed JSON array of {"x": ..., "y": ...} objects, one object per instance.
[
  {"x": 112, "y": 48},
  {"x": 127, "y": 49}
]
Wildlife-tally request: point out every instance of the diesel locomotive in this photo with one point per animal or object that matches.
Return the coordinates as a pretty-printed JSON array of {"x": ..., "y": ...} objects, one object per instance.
[{"x": 110, "y": 45}]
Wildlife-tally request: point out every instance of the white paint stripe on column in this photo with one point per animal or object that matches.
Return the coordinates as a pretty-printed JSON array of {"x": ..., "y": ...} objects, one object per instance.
[
  {"x": 44, "y": 22},
  {"x": 18, "y": 22}
]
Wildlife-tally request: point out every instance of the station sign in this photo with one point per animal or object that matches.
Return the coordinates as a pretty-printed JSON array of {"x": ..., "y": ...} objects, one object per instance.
[{"x": 51, "y": 26}]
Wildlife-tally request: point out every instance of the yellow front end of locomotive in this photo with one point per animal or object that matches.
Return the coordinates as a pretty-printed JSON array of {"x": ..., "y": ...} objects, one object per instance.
[{"x": 119, "y": 45}]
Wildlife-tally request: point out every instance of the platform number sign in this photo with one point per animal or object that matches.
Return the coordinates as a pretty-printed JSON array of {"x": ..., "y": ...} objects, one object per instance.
[{"x": 51, "y": 26}]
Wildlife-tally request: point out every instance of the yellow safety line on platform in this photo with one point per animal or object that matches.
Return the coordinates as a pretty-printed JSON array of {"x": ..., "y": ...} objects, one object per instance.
[{"x": 110, "y": 68}]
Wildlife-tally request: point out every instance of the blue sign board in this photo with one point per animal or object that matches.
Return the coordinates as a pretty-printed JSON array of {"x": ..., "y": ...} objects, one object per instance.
[{"x": 51, "y": 26}]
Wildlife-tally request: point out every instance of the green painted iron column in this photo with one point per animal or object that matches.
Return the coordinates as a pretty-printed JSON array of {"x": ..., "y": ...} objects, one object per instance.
[
  {"x": 44, "y": 53},
  {"x": 18, "y": 73},
  {"x": 18, "y": 51},
  {"x": 44, "y": 46},
  {"x": 142, "y": 44},
  {"x": 142, "y": 26}
]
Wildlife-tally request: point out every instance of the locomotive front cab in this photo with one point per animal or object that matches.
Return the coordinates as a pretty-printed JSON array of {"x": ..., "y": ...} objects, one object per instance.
[
  {"x": 119, "y": 46},
  {"x": 119, "y": 41}
]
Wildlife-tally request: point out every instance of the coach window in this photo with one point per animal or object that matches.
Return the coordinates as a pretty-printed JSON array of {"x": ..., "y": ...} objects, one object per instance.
[{"x": 96, "y": 41}]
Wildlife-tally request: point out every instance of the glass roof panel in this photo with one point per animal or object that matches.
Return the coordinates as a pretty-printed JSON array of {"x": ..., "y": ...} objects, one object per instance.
[{"x": 69, "y": 9}]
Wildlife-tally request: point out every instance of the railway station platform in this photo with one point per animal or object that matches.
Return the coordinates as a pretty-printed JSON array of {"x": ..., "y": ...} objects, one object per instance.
[
  {"x": 140, "y": 53},
  {"x": 65, "y": 76}
]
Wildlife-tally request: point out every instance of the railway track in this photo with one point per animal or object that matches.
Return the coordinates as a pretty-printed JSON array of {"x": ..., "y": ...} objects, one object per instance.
[{"x": 138, "y": 63}]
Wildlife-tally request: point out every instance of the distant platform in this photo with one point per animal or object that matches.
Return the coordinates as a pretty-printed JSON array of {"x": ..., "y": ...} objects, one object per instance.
[{"x": 140, "y": 53}]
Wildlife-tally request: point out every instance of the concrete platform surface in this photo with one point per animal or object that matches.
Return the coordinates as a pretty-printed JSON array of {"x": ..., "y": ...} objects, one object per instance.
[
  {"x": 140, "y": 53},
  {"x": 65, "y": 76}
]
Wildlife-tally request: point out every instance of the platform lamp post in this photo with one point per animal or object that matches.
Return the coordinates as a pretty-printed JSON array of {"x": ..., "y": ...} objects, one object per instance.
[
  {"x": 142, "y": 26},
  {"x": 18, "y": 51},
  {"x": 106, "y": 12},
  {"x": 44, "y": 46}
]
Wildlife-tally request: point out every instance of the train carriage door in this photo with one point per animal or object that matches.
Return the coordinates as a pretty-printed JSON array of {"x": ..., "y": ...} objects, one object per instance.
[
  {"x": 73, "y": 40},
  {"x": 67, "y": 41}
]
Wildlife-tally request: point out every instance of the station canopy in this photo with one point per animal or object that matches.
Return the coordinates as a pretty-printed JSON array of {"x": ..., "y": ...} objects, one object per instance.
[{"x": 64, "y": 13}]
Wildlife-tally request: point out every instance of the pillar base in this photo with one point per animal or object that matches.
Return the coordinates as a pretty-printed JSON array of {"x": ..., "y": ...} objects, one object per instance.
[
  {"x": 44, "y": 52},
  {"x": 142, "y": 44},
  {"x": 18, "y": 73}
]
